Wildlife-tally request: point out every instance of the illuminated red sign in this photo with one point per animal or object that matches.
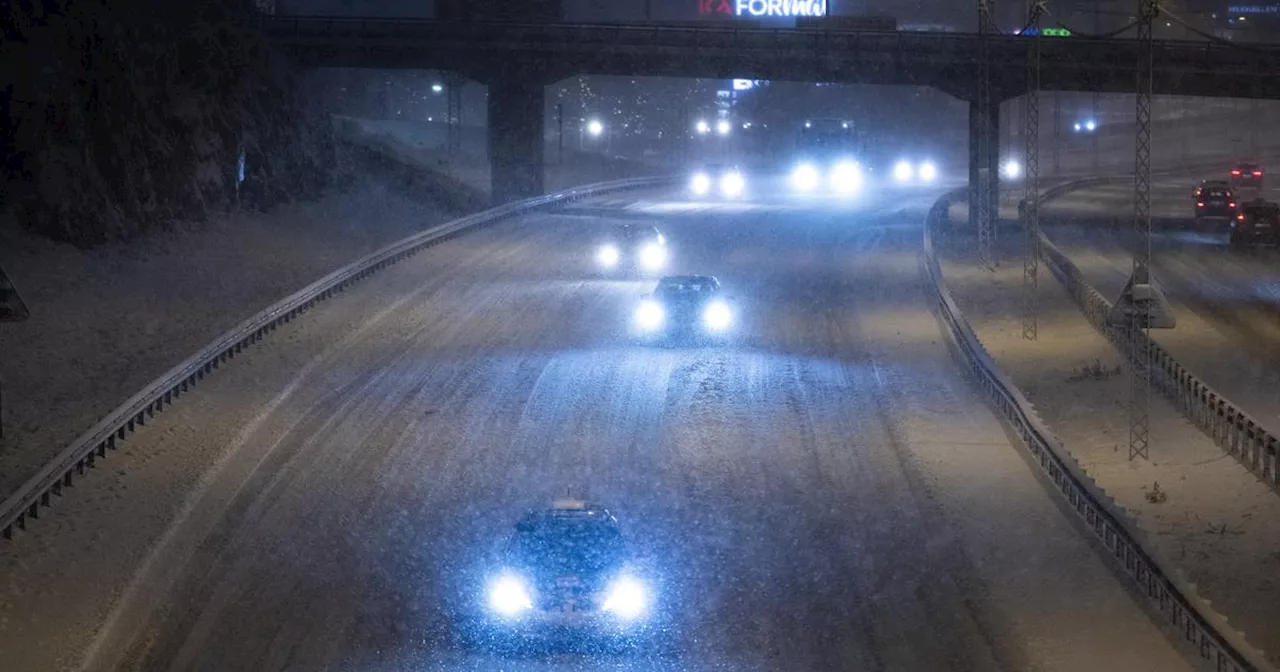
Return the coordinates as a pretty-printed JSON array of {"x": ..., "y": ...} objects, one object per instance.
[{"x": 709, "y": 7}]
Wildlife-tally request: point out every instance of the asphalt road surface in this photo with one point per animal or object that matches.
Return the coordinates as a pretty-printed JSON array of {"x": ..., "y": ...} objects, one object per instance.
[{"x": 824, "y": 491}]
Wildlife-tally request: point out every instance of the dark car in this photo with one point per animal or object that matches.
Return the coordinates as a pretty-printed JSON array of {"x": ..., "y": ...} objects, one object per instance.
[
  {"x": 685, "y": 305},
  {"x": 1258, "y": 222},
  {"x": 1215, "y": 200},
  {"x": 632, "y": 247},
  {"x": 567, "y": 576},
  {"x": 1246, "y": 174}
]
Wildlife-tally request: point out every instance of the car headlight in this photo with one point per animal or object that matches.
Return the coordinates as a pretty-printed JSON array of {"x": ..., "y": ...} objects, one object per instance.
[
  {"x": 902, "y": 172},
  {"x": 508, "y": 596},
  {"x": 732, "y": 184},
  {"x": 700, "y": 184},
  {"x": 717, "y": 316},
  {"x": 607, "y": 256},
  {"x": 653, "y": 256},
  {"x": 627, "y": 598},
  {"x": 928, "y": 172},
  {"x": 804, "y": 177},
  {"x": 846, "y": 177},
  {"x": 650, "y": 315}
]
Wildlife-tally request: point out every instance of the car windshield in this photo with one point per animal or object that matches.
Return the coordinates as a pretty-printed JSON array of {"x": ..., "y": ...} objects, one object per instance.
[{"x": 567, "y": 544}]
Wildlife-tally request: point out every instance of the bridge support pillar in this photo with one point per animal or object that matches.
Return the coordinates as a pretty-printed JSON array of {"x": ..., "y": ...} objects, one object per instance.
[
  {"x": 991, "y": 161},
  {"x": 515, "y": 139}
]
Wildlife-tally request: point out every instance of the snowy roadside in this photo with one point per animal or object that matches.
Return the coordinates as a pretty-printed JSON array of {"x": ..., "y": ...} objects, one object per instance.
[
  {"x": 1212, "y": 517},
  {"x": 107, "y": 321},
  {"x": 1225, "y": 299}
]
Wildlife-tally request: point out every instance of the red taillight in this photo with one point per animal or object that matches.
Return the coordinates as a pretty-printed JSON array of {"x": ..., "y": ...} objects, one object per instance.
[
  {"x": 1236, "y": 173},
  {"x": 1257, "y": 173},
  {"x": 1200, "y": 204},
  {"x": 1231, "y": 204},
  {"x": 1240, "y": 217}
]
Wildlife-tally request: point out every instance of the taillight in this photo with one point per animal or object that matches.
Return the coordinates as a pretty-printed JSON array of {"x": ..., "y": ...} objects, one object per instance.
[
  {"x": 1200, "y": 204},
  {"x": 1240, "y": 217},
  {"x": 1236, "y": 173},
  {"x": 1257, "y": 173},
  {"x": 1231, "y": 204}
]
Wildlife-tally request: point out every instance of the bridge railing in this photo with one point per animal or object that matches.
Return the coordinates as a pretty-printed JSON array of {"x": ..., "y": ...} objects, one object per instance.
[{"x": 1074, "y": 52}]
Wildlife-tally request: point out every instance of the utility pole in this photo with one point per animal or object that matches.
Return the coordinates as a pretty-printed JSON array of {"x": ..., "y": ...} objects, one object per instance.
[
  {"x": 1031, "y": 183},
  {"x": 1139, "y": 341},
  {"x": 986, "y": 228},
  {"x": 559, "y": 133},
  {"x": 453, "y": 89}
]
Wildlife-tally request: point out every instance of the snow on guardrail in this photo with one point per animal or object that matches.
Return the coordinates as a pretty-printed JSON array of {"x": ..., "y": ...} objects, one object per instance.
[
  {"x": 1166, "y": 591},
  {"x": 82, "y": 454},
  {"x": 1233, "y": 430}
]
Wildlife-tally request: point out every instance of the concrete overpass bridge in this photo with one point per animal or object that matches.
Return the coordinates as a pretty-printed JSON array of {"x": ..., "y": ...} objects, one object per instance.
[{"x": 517, "y": 60}]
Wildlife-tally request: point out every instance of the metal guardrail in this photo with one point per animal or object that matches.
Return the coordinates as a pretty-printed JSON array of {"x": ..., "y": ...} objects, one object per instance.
[
  {"x": 1167, "y": 594},
  {"x": 82, "y": 454},
  {"x": 1233, "y": 430}
]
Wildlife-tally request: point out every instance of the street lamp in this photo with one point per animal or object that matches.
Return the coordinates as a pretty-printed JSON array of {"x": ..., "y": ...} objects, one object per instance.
[{"x": 437, "y": 87}]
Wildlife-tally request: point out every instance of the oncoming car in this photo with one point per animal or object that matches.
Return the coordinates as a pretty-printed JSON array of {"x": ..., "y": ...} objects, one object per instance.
[
  {"x": 685, "y": 305},
  {"x": 728, "y": 182},
  {"x": 632, "y": 247},
  {"x": 567, "y": 576}
]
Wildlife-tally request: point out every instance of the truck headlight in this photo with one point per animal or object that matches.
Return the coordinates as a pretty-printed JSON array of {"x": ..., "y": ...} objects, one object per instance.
[
  {"x": 902, "y": 172},
  {"x": 846, "y": 177},
  {"x": 508, "y": 596},
  {"x": 650, "y": 315},
  {"x": 732, "y": 184},
  {"x": 628, "y": 598},
  {"x": 804, "y": 177},
  {"x": 928, "y": 172},
  {"x": 716, "y": 316},
  {"x": 653, "y": 257},
  {"x": 700, "y": 184},
  {"x": 608, "y": 255}
]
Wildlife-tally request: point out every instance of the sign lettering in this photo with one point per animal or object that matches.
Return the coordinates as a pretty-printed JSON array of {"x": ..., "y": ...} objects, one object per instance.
[{"x": 780, "y": 8}]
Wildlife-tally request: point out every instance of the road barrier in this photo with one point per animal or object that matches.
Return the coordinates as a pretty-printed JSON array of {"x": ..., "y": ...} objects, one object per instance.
[
  {"x": 82, "y": 454},
  {"x": 1167, "y": 594},
  {"x": 1233, "y": 430}
]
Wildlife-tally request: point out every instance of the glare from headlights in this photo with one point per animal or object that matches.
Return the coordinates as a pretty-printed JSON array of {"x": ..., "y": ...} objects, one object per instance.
[
  {"x": 700, "y": 184},
  {"x": 607, "y": 256},
  {"x": 653, "y": 257},
  {"x": 928, "y": 172},
  {"x": 846, "y": 177},
  {"x": 650, "y": 315},
  {"x": 804, "y": 177},
  {"x": 732, "y": 184},
  {"x": 1011, "y": 169},
  {"x": 627, "y": 598},
  {"x": 902, "y": 172},
  {"x": 717, "y": 316},
  {"x": 508, "y": 596}
]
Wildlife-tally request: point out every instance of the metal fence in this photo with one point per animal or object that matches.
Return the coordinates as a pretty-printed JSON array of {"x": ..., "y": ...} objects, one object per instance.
[
  {"x": 38, "y": 492},
  {"x": 1231, "y": 428},
  {"x": 1166, "y": 594}
]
